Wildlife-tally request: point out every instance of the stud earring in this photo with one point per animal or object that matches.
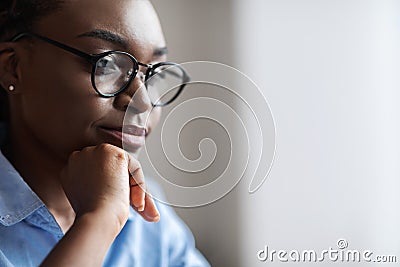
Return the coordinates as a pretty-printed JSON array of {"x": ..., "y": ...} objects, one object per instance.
[{"x": 11, "y": 88}]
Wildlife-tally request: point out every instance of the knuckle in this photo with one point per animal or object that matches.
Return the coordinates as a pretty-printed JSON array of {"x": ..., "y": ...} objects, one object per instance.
[
  {"x": 134, "y": 163},
  {"x": 135, "y": 180},
  {"x": 104, "y": 147},
  {"x": 110, "y": 151},
  {"x": 138, "y": 179}
]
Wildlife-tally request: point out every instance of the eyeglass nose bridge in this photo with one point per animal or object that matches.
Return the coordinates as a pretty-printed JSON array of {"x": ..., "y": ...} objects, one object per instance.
[
  {"x": 141, "y": 76},
  {"x": 149, "y": 68}
]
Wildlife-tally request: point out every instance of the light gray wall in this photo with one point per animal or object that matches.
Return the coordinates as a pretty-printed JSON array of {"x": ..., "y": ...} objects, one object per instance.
[{"x": 330, "y": 72}]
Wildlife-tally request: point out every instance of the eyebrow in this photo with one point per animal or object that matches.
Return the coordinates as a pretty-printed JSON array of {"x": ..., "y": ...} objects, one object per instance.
[
  {"x": 160, "y": 51},
  {"x": 107, "y": 36},
  {"x": 119, "y": 40}
]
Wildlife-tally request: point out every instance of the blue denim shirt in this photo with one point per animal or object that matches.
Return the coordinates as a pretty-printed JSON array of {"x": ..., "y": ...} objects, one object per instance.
[{"x": 28, "y": 231}]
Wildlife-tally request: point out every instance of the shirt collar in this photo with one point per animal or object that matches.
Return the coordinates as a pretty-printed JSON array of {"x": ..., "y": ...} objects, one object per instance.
[{"x": 17, "y": 200}]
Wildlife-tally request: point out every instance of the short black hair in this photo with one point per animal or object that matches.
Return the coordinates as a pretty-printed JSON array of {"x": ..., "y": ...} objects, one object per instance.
[{"x": 18, "y": 16}]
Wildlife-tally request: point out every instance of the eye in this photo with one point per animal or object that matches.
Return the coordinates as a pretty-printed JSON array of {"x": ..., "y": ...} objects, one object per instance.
[{"x": 106, "y": 65}]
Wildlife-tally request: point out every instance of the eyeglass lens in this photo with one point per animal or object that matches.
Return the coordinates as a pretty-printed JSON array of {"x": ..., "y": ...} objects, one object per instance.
[{"x": 114, "y": 71}]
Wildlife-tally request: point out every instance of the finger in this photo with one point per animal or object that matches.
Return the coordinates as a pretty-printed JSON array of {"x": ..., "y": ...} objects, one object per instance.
[
  {"x": 135, "y": 170},
  {"x": 138, "y": 177},
  {"x": 137, "y": 195},
  {"x": 151, "y": 211},
  {"x": 136, "y": 183}
]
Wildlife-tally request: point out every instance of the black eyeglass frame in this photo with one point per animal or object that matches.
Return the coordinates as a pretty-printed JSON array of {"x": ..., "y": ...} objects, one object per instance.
[{"x": 94, "y": 58}]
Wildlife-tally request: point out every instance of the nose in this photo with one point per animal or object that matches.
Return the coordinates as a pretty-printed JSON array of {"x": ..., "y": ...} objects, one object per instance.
[{"x": 135, "y": 98}]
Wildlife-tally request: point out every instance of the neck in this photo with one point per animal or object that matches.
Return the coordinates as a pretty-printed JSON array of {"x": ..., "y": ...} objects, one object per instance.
[{"x": 40, "y": 168}]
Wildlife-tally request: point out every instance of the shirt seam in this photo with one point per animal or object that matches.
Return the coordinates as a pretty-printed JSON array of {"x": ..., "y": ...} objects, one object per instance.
[{"x": 15, "y": 217}]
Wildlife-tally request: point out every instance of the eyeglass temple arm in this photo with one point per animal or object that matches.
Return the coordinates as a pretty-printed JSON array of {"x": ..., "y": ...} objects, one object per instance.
[{"x": 55, "y": 43}]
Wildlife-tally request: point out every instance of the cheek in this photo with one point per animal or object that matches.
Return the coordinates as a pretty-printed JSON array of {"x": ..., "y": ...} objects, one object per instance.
[
  {"x": 65, "y": 125},
  {"x": 154, "y": 118},
  {"x": 59, "y": 107}
]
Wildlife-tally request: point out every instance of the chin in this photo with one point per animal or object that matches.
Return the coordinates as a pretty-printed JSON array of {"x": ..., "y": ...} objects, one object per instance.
[{"x": 133, "y": 151}]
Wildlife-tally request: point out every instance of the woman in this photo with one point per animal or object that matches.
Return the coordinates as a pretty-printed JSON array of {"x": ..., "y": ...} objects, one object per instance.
[{"x": 69, "y": 194}]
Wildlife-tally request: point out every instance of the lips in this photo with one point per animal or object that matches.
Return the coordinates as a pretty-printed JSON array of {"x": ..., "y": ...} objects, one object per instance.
[
  {"x": 134, "y": 130},
  {"x": 131, "y": 136}
]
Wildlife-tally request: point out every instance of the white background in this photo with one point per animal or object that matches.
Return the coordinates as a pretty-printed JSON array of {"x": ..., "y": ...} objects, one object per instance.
[{"x": 329, "y": 70}]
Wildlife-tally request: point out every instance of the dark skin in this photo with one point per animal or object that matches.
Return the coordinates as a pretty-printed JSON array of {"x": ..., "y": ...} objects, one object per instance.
[{"x": 81, "y": 173}]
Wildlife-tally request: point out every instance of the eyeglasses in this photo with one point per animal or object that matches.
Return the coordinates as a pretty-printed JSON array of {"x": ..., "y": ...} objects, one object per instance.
[{"x": 113, "y": 71}]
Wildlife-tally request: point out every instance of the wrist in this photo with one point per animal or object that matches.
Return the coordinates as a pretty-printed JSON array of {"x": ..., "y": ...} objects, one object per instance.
[{"x": 103, "y": 218}]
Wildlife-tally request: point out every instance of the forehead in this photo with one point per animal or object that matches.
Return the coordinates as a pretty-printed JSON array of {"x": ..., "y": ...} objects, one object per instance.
[{"x": 135, "y": 20}]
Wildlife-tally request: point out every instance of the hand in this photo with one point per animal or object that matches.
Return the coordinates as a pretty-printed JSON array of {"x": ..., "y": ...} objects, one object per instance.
[{"x": 106, "y": 178}]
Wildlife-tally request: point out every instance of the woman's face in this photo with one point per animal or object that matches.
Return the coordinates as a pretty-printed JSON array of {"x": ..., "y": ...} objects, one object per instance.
[{"x": 57, "y": 103}]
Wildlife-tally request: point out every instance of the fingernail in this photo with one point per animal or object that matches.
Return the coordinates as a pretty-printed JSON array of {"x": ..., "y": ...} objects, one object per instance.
[
  {"x": 155, "y": 218},
  {"x": 140, "y": 208}
]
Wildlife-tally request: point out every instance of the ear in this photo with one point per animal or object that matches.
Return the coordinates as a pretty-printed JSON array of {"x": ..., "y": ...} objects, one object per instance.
[{"x": 9, "y": 67}]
